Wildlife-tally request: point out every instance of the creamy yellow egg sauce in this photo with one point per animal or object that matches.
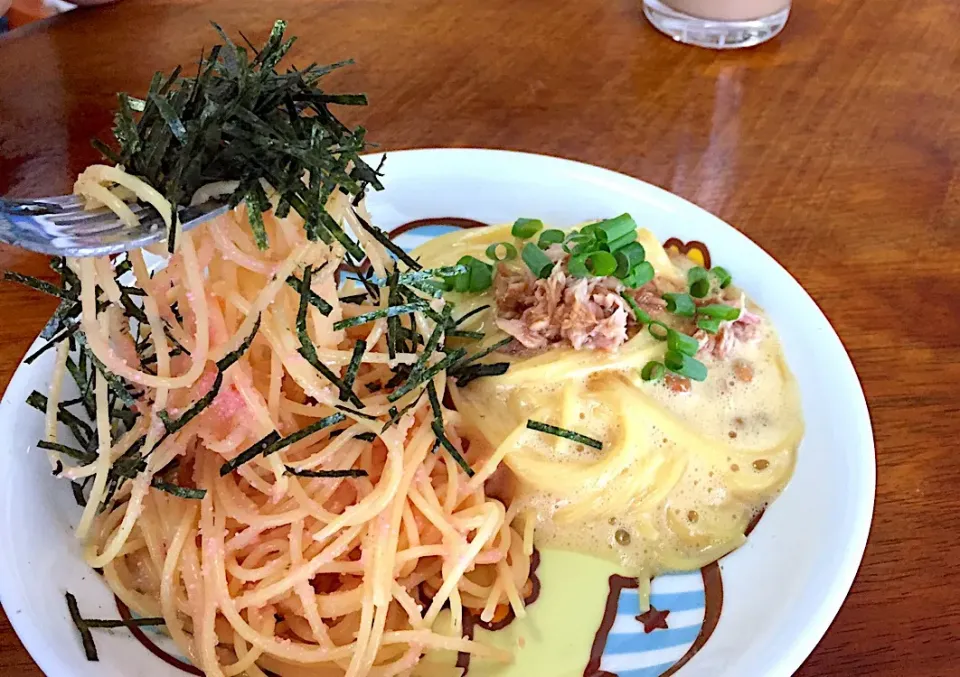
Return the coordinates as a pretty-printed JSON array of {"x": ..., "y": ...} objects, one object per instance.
[{"x": 680, "y": 475}]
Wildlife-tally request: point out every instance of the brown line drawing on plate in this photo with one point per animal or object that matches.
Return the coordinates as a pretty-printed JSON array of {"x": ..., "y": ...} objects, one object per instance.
[
  {"x": 454, "y": 221},
  {"x": 151, "y": 646},
  {"x": 713, "y": 604},
  {"x": 654, "y": 619},
  {"x": 686, "y": 247}
]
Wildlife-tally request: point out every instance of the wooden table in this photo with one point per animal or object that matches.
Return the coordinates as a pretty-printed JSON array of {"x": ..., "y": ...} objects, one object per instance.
[{"x": 836, "y": 147}]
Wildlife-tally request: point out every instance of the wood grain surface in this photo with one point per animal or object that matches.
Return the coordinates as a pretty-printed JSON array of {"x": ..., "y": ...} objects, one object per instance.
[{"x": 836, "y": 147}]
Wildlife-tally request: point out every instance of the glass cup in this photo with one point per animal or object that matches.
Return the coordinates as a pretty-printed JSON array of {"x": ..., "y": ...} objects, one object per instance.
[{"x": 718, "y": 24}]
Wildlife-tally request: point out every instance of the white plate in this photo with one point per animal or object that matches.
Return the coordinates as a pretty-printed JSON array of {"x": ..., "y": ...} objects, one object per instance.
[{"x": 781, "y": 590}]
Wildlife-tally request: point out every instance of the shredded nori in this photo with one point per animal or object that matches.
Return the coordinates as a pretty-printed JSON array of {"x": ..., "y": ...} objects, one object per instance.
[
  {"x": 249, "y": 453},
  {"x": 303, "y": 433},
  {"x": 353, "y": 472},
  {"x": 564, "y": 433},
  {"x": 426, "y": 374},
  {"x": 177, "y": 490},
  {"x": 239, "y": 118},
  {"x": 83, "y": 626},
  {"x": 452, "y": 450}
]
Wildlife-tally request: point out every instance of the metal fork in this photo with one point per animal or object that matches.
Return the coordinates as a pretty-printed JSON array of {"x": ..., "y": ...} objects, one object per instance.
[{"x": 62, "y": 227}]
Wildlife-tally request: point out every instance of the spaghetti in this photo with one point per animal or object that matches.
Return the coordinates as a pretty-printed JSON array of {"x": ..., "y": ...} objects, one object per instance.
[{"x": 273, "y": 569}]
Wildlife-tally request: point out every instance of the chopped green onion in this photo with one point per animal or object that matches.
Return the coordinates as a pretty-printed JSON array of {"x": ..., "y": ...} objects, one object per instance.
[
  {"x": 579, "y": 243},
  {"x": 723, "y": 277},
  {"x": 590, "y": 230},
  {"x": 526, "y": 228},
  {"x": 662, "y": 331},
  {"x": 639, "y": 314},
  {"x": 539, "y": 263},
  {"x": 593, "y": 264},
  {"x": 615, "y": 228},
  {"x": 680, "y": 304},
  {"x": 352, "y": 472},
  {"x": 719, "y": 311},
  {"x": 684, "y": 365},
  {"x": 628, "y": 257},
  {"x": 564, "y": 433},
  {"x": 621, "y": 242},
  {"x": 481, "y": 275},
  {"x": 640, "y": 275},
  {"x": 473, "y": 275},
  {"x": 550, "y": 237},
  {"x": 509, "y": 252},
  {"x": 652, "y": 371},
  {"x": 698, "y": 281},
  {"x": 711, "y": 325},
  {"x": 682, "y": 343}
]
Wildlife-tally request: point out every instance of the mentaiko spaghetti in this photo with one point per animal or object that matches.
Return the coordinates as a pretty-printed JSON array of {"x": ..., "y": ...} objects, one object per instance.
[{"x": 285, "y": 526}]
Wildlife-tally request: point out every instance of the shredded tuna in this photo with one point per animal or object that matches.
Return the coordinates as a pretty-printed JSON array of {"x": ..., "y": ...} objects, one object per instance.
[
  {"x": 650, "y": 298},
  {"x": 742, "y": 330},
  {"x": 584, "y": 313}
]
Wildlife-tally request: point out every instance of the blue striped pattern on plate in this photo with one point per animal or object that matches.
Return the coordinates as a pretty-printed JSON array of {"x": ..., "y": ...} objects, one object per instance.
[{"x": 631, "y": 652}]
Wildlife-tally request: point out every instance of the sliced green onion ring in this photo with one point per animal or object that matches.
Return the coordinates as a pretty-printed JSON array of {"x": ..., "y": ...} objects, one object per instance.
[
  {"x": 633, "y": 254},
  {"x": 722, "y": 276},
  {"x": 662, "y": 330},
  {"x": 615, "y": 228},
  {"x": 526, "y": 228},
  {"x": 621, "y": 242},
  {"x": 711, "y": 325},
  {"x": 698, "y": 281},
  {"x": 682, "y": 343},
  {"x": 509, "y": 252},
  {"x": 592, "y": 264},
  {"x": 549, "y": 237},
  {"x": 539, "y": 263},
  {"x": 684, "y": 365},
  {"x": 719, "y": 311},
  {"x": 578, "y": 244},
  {"x": 639, "y": 314},
  {"x": 680, "y": 304},
  {"x": 652, "y": 371},
  {"x": 639, "y": 275}
]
